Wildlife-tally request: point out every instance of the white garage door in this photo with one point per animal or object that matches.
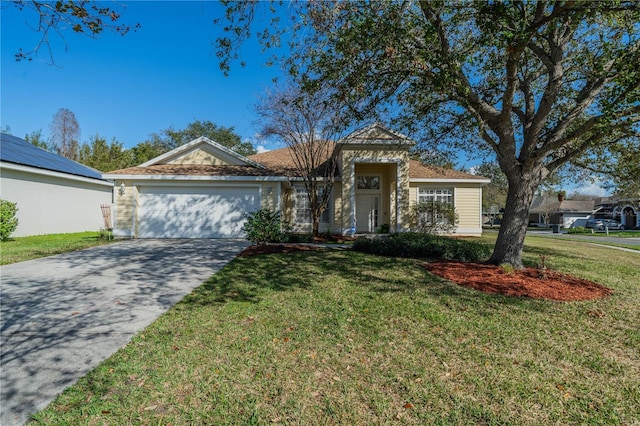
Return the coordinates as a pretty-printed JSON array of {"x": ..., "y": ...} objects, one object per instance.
[{"x": 194, "y": 212}]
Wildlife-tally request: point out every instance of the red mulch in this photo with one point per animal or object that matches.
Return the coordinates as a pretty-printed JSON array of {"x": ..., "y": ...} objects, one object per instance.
[
  {"x": 488, "y": 278},
  {"x": 529, "y": 282}
]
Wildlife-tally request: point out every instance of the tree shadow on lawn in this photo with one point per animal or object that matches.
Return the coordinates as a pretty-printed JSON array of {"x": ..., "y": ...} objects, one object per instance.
[{"x": 250, "y": 279}]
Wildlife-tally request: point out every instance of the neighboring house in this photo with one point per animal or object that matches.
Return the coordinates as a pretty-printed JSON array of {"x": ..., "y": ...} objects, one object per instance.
[
  {"x": 203, "y": 190},
  {"x": 546, "y": 210},
  {"x": 624, "y": 210},
  {"x": 53, "y": 194}
]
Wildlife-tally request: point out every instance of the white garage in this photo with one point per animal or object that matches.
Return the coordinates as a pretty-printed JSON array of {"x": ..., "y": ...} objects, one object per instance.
[{"x": 195, "y": 211}]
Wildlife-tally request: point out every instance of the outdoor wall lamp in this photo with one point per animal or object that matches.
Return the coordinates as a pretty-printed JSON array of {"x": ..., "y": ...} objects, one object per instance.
[
  {"x": 121, "y": 190},
  {"x": 270, "y": 190}
]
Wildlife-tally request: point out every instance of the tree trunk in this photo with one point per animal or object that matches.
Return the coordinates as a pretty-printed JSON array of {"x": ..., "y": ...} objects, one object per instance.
[
  {"x": 315, "y": 230},
  {"x": 510, "y": 242}
]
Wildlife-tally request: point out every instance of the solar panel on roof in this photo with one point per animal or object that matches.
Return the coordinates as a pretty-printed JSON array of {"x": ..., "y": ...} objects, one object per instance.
[{"x": 19, "y": 151}]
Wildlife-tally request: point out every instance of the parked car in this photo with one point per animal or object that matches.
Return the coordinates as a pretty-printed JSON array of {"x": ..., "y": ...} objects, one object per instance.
[{"x": 601, "y": 224}]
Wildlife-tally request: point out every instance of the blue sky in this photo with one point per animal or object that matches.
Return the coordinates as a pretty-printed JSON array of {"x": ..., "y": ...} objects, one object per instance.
[{"x": 127, "y": 87}]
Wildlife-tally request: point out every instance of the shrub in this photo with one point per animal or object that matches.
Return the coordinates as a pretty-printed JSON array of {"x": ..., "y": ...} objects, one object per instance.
[
  {"x": 415, "y": 245},
  {"x": 434, "y": 217},
  {"x": 578, "y": 230},
  {"x": 297, "y": 238},
  {"x": 8, "y": 219},
  {"x": 265, "y": 226}
]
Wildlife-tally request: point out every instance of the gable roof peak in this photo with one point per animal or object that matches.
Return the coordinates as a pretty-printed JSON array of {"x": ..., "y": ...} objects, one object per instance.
[
  {"x": 377, "y": 133},
  {"x": 202, "y": 140}
]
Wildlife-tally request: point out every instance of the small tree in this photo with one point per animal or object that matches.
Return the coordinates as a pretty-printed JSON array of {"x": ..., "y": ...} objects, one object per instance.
[
  {"x": 435, "y": 217},
  {"x": 308, "y": 122},
  {"x": 65, "y": 133},
  {"x": 8, "y": 219}
]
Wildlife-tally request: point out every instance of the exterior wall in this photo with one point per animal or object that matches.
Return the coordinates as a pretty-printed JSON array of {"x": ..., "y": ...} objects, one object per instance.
[
  {"x": 125, "y": 207},
  {"x": 574, "y": 219},
  {"x": 271, "y": 192},
  {"x": 54, "y": 204},
  {"x": 468, "y": 202},
  {"x": 369, "y": 159},
  {"x": 126, "y": 204},
  {"x": 198, "y": 156},
  {"x": 467, "y": 199},
  {"x": 287, "y": 207}
]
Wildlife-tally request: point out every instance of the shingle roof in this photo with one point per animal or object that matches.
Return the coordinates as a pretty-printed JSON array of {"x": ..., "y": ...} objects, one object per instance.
[
  {"x": 282, "y": 161},
  {"x": 278, "y": 162},
  {"x": 417, "y": 170},
  {"x": 542, "y": 204},
  {"x": 195, "y": 170},
  {"x": 18, "y": 151}
]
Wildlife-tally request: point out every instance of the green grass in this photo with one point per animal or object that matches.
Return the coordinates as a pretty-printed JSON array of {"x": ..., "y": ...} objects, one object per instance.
[
  {"x": 622, "y": 234},
  {"x": 340, "y": 337},
  {"x": 26, "y": 248}
]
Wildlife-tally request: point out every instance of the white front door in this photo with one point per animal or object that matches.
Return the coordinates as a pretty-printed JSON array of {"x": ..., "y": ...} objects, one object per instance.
[{"x": 367, "y": 211}]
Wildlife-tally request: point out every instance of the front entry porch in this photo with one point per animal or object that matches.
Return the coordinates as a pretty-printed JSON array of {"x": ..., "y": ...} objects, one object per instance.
[{"x": 373, "y": 198}]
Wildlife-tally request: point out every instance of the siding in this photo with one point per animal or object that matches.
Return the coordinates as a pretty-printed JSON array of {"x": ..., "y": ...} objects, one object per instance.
[
  {"x": 467, "y": 201},
  {"x": 124, "y": 209}
]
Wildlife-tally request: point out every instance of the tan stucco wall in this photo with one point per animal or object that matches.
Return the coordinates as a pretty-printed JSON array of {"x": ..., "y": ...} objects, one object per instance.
[
  {"x": 467, "y": 198},
  {"x": 383, "y": 160}
]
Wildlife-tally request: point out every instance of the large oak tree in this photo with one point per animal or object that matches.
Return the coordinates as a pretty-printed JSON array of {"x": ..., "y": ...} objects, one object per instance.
[{"x": 536, "y": 84}]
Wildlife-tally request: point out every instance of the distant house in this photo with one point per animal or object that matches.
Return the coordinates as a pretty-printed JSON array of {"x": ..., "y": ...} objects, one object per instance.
[
  {"x": 547, "y": 210},
  {"x": 624, "y": 210},
  {"x": 53, "y": 194}
]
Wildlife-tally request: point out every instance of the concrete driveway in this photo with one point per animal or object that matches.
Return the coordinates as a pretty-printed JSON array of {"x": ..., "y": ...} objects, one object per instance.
[{"x": 62, "y": 315}]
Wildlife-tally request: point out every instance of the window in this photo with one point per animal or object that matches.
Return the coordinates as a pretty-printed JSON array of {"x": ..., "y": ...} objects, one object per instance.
[
  {"x": 443, "y": 195},
  {"x": 302, "y": 206},
  {"x": 435, "y": 208},
  {"x": 368, "y": 182}
]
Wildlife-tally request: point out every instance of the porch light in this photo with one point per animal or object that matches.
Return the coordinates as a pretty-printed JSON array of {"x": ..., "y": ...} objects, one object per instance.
[{"x": 121, "y": 190}]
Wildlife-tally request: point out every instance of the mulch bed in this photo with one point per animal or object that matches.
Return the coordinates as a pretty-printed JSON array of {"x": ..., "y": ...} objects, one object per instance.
[{"x": 529, "y": 282}]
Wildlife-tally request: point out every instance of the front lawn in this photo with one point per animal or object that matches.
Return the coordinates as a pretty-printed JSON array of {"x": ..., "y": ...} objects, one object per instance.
[
  {"x": 25, "y": 248},
  {"x": 340, "y": 337}
]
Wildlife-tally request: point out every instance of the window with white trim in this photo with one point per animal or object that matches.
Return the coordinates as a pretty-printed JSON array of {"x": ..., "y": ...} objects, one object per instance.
[
  {"x": 429, "y": 212},
  {"x": 443, "y": 195},
  {"x": 302, "y": 206}
]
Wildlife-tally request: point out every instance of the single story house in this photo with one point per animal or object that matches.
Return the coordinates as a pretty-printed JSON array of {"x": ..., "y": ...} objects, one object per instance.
[
  {"x": 53, "y": 194},
  {"x": 547, "y": 210},
  {"x": 203, "y": 190},
  {"x": 624, "y": 210}
]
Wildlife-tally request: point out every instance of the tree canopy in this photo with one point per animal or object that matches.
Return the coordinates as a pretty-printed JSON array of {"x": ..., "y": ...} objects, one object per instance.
[
  {"x": 171, "y": 138},
  {"x": 103, "y": 156},
  {"x": 535, "y": 84},
  {"x": 56, "y": 18}
]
